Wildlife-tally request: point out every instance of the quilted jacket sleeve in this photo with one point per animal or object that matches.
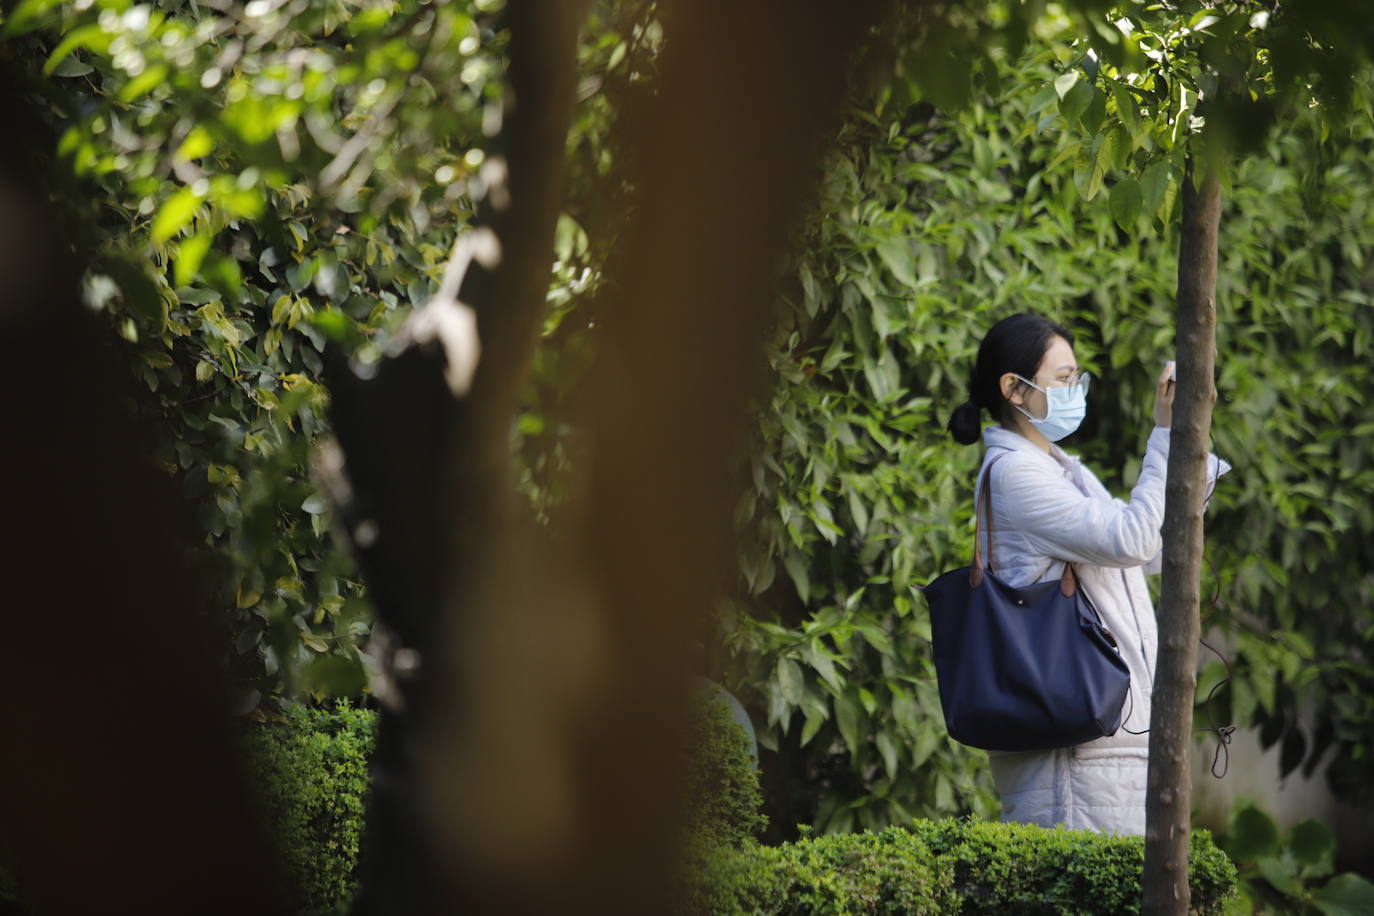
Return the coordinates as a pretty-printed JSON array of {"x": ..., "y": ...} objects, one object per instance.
[{"x": 1058, "y": 521}]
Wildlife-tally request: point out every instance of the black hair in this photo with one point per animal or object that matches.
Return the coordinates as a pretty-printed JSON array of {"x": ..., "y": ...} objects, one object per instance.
[{"x": 1015, "y": 344}]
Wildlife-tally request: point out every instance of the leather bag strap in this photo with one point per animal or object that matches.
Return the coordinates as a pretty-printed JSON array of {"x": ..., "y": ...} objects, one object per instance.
[{"x": 1068, "y": 582}]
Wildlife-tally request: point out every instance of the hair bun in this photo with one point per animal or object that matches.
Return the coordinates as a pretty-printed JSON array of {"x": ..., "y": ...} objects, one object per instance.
[{"x": 963, "y": 423}]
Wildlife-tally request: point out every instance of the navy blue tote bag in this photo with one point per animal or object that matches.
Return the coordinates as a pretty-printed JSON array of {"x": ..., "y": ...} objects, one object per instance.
[{"x": 1022, "y": 669}]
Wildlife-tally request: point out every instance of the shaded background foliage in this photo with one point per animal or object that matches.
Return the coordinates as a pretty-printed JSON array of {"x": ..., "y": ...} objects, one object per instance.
[
  {"x": 932, "y": 226},
  {"x": 254, "y": 182},
  {"x": 250, "y": 183}
]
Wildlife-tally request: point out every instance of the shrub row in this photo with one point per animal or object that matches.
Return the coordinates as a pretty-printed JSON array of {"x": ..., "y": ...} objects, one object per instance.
[
  {"x": 943, "y": 867},
  {"x": 311, "y": 770}
]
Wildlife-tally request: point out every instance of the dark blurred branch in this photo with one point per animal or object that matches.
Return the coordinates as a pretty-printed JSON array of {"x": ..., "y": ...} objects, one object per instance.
[{"x": 428, "y": 464}]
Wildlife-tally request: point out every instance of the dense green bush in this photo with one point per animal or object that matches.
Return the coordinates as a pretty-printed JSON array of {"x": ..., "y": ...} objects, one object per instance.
[
  {"x": 311, "y": 767},
  {"x": 940, "y": 866},
  {"x": 722, "y": 785},
  {"x": 949, "y": 866},
  {"x": 929, "y": 227},
  {"x": 312, "y": 771},
  {"x": 891, "y": 872},
  {"x": 209, "y": 167},
  {"x": 1022, "y": 869}
]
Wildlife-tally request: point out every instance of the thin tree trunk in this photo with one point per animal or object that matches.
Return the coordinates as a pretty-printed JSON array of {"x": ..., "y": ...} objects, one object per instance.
[{"x": 1169, "y": 798}]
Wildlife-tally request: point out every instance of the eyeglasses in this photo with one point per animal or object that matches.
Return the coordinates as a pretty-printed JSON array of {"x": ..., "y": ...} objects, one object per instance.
[{"x": 1068, "y": 380}]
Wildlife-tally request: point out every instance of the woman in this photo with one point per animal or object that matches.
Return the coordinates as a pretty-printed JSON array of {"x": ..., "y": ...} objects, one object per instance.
[{"x": 1047, "y": 508}]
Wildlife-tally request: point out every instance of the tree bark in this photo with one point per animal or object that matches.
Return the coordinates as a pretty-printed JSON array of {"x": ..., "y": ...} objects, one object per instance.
[
  {"x": 432, "y": 472},
  {"x": 1169, "y": 788},
  {"x": 557, "y": 763}
]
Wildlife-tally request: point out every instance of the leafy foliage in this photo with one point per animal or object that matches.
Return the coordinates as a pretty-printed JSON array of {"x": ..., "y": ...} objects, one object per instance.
[
  {"x": 1291, "y": 873},
  {"x": 256, "y": 181},
  {"x": 311, "y": 768},
  {"x": 889, "y": 872},
  {"x": 252, "y": 183},
  {"x": 950, "y": 866},
  {"x": 722, "y": 785},
  {"x": 930, "y": 227}
]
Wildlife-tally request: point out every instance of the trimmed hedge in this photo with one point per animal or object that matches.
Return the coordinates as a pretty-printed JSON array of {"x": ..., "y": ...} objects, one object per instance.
[
  {"x": 311, "y": 769},
  {"x": 1022, "y": 869},
  {"x": 888, "y": 872},
  {"x": 947, "y": 866},
  {"x": 938, "y": 867},
  {"x": 726, "y": 805}
]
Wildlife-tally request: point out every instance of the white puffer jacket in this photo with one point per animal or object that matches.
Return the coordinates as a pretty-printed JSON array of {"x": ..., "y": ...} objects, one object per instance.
[{"x": 1048, "y": 508}]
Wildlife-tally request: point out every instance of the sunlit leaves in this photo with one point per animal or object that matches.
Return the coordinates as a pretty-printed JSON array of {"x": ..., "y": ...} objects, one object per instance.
[
  {"x": 997, "y": 225},
  {"x": 174, "y": 214},
  {"x": 1126, "y": 200},
  {"x": 1076, "y": 101},
  {"x": 1093, "y": 163},
  {"x": 1159, "y": 188}
]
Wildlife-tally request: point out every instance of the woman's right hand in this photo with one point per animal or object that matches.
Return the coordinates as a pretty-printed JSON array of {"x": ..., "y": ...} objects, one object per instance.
[{"x": 1164, "y": 397}]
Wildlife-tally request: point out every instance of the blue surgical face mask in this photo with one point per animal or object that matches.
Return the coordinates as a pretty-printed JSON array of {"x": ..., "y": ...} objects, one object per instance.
[{"x": 1066, "y": 407}]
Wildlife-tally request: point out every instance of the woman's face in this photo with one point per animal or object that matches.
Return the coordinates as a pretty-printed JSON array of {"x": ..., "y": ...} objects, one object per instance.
[{"x": 1057, "y": 369}]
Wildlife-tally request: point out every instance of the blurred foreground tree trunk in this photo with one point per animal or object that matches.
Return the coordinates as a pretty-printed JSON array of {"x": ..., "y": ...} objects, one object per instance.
[
  {"x": 1169, "y": 788},
  {"x": 120, "y": 789},
  {"x": 532, "y": 745}
]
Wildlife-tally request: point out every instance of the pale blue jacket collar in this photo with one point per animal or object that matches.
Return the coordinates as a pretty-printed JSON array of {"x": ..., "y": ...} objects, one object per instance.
[{"x": 1001, "y": 437}]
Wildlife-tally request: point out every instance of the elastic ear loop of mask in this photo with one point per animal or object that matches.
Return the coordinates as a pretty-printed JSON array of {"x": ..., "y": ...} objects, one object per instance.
[{"x": 1223, "y": 732}]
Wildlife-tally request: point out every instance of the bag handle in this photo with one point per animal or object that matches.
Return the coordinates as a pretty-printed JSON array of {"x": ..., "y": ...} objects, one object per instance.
[{"x": 1068, "y": 582}]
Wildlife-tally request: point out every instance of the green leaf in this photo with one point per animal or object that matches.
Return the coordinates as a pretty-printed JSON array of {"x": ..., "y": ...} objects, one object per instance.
[
  {"x": 337, "y": 327},
  {"x": 1252, "y": 836},
  {"x": 847, "y": 717},
  {"x": 204, "y": 371},
  {"x": 1282, "y": 873},
  {"x": 198, "y": 143},
  {"x": 1125, "y": 202},
  {"x": 72, "y": 66},
  {"x": 1092, "y": 165},
  {"x": 281, "y": 310},
  {"x": 1262, "y": 683},
  {"x": 795, "y": 564},
  {"x": 815, "y": 718},
  {"x": 897, "y": 255},
  {"x": 1313, "y": 845},
  {"x": 1127, "y": 110},
  {"x": 1346, "y": 895},
  {"x": 1076, "y": 101},
  {"x": 190, "y": 254},
  {"x": 88, "y": 36},
  {"x": 26, "y": 16},
  {"x": 155, "y": 75},
  {"x": 1065, "y": 81},
  {"x": 888, "y": 748},
  {"x": 1095, "y": 113},
  {"x": 824, "y": 665},
  {"x": 789, "y": 675},
  {"x": 331, "y": 675},
  {"x": 1158, "y": 187},
  {"x": 174, "y": 214}
]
